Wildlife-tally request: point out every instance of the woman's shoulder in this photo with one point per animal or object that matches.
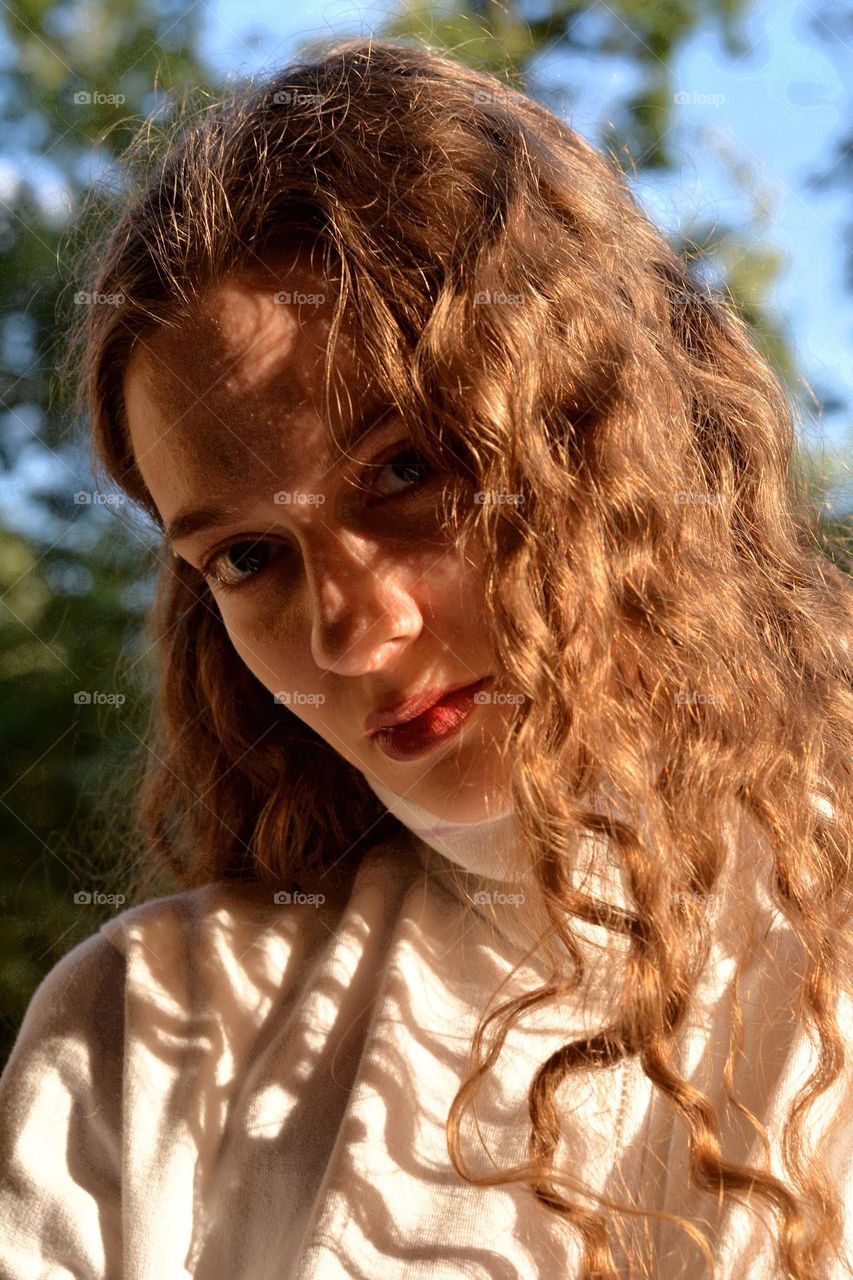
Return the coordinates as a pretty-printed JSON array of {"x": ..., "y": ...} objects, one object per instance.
[
  {"x": 242, "y": 914},
  {"x": 250, "y": 945},
  {"x": 60, "y": 1119},
  {"x": 179, "y": 953},
  {"x": 83, "y": 989}
]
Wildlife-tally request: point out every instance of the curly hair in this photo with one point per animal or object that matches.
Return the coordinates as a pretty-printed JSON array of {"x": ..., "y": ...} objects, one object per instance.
[{"x": 659, "y": 597}]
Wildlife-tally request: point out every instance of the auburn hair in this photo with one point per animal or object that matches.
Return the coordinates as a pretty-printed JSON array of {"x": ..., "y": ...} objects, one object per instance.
[{"x": 661, "y": 602}]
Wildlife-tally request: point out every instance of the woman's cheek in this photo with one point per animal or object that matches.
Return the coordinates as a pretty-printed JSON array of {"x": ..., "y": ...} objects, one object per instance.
[{"x": 262, "y": 647}]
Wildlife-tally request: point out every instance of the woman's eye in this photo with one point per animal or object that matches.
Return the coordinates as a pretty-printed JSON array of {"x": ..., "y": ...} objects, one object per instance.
[
  {"x": 238, "y": 563},
  {"x": 412, "y": 463}
]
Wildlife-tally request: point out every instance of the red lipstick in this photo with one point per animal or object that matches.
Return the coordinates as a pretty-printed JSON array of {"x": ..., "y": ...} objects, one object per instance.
[{"x": 409, "y": 738}]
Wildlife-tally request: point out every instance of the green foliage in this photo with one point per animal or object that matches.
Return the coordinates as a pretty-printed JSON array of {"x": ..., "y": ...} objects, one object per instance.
[{"x": 75, "y": 576}]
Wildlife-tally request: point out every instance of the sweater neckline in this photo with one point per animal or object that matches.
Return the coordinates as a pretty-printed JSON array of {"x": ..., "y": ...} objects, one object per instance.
[{"x": 483, "y": 847}]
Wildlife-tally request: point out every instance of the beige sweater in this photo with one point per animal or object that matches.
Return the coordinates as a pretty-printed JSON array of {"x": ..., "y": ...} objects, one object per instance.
[{"x": 221, "y": 1086}]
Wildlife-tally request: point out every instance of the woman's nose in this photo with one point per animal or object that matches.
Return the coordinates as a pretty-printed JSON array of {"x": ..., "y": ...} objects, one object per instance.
[{"x": 362, "y": 604}]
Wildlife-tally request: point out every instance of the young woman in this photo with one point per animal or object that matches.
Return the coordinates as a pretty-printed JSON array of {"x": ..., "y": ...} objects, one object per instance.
[{"x": 502, "y": 751}]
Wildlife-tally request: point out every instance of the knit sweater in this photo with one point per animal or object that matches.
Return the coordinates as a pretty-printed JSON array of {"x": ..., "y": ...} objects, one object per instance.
[{"x": 221, "y": 1085}]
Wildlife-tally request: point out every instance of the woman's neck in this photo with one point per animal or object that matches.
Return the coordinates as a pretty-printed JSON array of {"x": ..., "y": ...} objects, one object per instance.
[{"x": 482, "y": 847}]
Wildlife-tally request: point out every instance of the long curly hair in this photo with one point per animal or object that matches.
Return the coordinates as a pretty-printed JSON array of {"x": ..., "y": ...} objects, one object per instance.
[{"x": 660, "y": 600}]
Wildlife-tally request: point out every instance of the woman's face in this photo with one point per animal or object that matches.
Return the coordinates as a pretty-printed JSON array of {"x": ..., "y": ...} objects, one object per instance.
[{"x": 339, "y": 600}]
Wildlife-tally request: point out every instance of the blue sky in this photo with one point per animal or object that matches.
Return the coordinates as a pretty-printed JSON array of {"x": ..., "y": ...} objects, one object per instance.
[
  {"x": 778, "y": 109},
  {"x": 784, "y": 105}
]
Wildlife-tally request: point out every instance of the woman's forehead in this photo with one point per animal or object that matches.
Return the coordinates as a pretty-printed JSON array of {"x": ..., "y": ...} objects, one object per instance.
[
  {"x": 238, "y": 339},
  {"x": 240, "y": 392}
]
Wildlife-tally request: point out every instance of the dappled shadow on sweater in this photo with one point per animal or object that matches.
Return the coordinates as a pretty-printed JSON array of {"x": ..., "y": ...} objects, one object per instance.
[{"x": 288, "y": 1075}]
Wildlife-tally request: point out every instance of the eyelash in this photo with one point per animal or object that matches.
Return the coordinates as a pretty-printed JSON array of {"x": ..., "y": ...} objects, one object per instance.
[{"x": 222, "y": 585}]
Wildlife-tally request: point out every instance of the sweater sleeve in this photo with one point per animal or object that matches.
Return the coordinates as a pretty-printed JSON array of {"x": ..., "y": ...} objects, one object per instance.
[{"x": 60, "y": 1123}]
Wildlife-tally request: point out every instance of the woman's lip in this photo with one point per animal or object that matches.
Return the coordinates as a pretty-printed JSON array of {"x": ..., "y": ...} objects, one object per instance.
[
  {"x": 439, "y": 722},
  {"x": 411, "y": 708}
]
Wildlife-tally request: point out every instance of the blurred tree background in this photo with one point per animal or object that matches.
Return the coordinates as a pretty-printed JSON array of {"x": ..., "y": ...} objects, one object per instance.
[{"x": 76, "y": 570}]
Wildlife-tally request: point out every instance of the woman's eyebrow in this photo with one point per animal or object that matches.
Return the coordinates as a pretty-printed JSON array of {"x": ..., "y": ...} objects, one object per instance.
[
  {"x": 363, "y": 426},
  {"x": 192, "y": 520}
]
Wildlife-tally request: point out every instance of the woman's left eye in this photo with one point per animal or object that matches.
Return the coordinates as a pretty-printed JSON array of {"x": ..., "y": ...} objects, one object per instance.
[
  {"x": 409, "y": 460},
  {"x": 220, "y": 569}
]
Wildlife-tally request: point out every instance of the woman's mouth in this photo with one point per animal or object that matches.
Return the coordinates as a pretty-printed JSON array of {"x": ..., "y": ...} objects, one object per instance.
[{"x": 414, "y": 738}]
